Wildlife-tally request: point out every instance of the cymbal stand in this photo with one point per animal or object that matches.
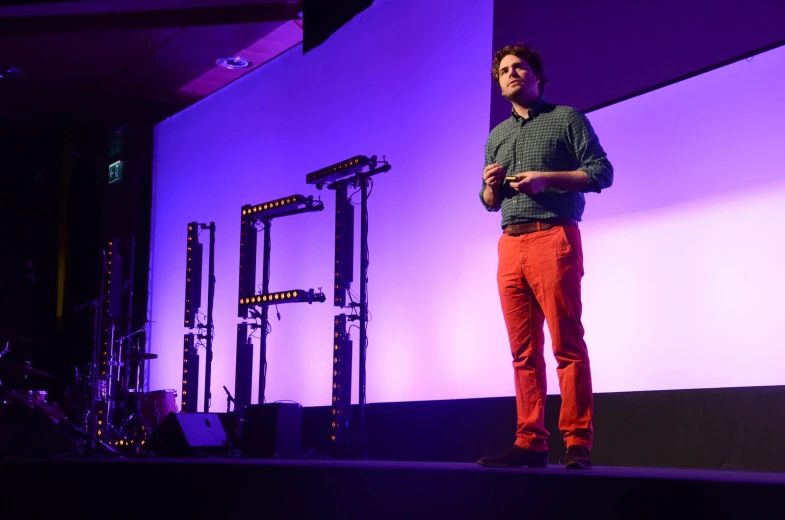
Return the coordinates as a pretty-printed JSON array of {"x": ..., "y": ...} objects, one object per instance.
[
  {"x": 110, "y": 391},
  {"x": 135, "y": 421},
  {"x": 137, "y": 380}
]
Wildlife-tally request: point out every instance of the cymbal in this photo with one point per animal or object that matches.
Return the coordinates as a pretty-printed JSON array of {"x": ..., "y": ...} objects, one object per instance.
[
  {"x": 23, "y": 370},
  {"x": 138, "y": 356}
]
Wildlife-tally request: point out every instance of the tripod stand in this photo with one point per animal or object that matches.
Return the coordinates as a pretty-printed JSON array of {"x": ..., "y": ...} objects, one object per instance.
[{"x": 135, "y": 425}]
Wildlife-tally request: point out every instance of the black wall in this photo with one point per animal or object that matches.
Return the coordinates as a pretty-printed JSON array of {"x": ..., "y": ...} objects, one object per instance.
[
  {"x": 58, "y": 211},
  {"x": 723, "y": 428}
]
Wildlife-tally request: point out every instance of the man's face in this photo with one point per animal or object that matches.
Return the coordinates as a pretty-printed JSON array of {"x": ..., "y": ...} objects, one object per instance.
[{"x": 517, "y": 80}]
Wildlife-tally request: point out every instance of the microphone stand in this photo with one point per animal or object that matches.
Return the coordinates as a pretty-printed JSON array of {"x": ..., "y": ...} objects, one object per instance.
[
  {"x": 229, "y": 400},
  {"x": 238, "y": 411}
]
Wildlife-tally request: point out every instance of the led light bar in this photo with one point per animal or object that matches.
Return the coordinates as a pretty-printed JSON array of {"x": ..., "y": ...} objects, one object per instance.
[
  {"x": 193, "y": 276},
  {"x": 290, "y": 205},
  {"x": 344, "y": 245},
  {"x": 247, "y": 279},
  {"x": 190, "y": 387},
  {"x": 293, "y": 296},
  {"x": 342, "y": 381},
  {"x": 338, "y": 170}
]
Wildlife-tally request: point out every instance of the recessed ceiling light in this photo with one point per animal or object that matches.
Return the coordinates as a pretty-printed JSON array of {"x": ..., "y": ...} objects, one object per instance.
[
  {"x": 233, "y": 63},
  {"x": 11, "y": 72}
]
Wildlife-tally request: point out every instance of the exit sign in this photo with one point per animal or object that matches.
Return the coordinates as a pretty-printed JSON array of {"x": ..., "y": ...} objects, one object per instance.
[{"x": 115, "y": 172}]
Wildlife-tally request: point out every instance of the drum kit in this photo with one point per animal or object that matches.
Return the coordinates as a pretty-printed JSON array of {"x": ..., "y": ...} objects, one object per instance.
[
  {"x": 110, "y": 412},
  {"x": 115, "y": 407},
  {"x": 18, "y": 392}
]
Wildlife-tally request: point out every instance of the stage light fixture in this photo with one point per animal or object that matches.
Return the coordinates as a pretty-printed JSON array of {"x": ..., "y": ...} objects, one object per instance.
[
  {"x": 248, "y": 244},
  {"x": 344, "y": 245},
  {"x": 190, "y": 381},
  {"x": 193, "y": 276},
  {"x": 247, "y": 297},
  {"x": 339, "y": 170},
  {"x": 342, "y": 380},
  {"x": 295, "y": 296},
  {"x": 290, "y": 205},
  {"x": 233, "y": 62},
  {"x": 116, "y": 250}
]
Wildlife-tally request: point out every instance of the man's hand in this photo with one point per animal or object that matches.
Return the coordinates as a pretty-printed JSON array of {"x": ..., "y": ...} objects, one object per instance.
[
  {"x": 493, "y": 175},
  {"x": 530, "y": 183}
]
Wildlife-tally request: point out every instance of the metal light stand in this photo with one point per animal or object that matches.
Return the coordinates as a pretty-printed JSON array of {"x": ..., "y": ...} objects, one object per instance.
[
  {"x": 96, "y": 346},
  {"x": 210, "y": 296},
  {"x": 97, "y": 306},
  {"x": 363, "y": 304},
  {"x": 292, "y": 205},
  {"x": 266, "y": 223},
  {"x": 94, "y": 444},
  {"x": 118, "y": 366},
  {"x": 130, "y": 326},
  {"x": 110, "y": 387},
  {"x": 361, "y": 180}
]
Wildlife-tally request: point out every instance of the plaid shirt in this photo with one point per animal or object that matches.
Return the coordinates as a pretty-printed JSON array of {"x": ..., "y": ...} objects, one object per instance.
[{"x": 554, "y": 138}]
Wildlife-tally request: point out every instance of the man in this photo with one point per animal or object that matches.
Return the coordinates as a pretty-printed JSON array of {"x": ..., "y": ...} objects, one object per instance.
[{"x": 538, "y": 164}]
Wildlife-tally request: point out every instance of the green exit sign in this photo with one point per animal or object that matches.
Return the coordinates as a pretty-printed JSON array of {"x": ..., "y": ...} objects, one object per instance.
[{"x": 115, "y": 172}]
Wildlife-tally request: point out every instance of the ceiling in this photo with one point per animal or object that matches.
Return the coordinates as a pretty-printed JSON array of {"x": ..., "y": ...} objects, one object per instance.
[{"x": 121, "y": 61}]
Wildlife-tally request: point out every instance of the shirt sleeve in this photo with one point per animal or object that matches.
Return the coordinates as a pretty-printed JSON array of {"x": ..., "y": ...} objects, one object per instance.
[
  {"x": 591, "y": 157},
  {"x": 489, "y": 159}
]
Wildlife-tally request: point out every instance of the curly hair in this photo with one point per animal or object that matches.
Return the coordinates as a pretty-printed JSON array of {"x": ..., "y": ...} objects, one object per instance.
[{"x": 529, "y": 54}]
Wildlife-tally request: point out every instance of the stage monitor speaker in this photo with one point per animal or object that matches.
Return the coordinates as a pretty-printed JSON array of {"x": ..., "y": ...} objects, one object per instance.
[
  {"x": 273, "y": 430},
  {"x": 183, "y": 434}
]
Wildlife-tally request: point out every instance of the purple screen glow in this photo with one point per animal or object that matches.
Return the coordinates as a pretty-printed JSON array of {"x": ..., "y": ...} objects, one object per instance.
[{"x": 682, "y": 254}]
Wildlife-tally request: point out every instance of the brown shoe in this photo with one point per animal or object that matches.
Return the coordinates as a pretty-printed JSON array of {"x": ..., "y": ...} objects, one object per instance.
[
  {"x": 578, "y": 458},
  {"x": 516, "y": 457}
]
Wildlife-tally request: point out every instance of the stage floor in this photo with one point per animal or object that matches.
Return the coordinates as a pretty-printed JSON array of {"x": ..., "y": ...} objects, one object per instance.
[{"x": 210, "y": 487}]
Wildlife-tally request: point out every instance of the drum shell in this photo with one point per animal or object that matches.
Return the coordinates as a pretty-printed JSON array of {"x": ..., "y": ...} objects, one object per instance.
[{"x": 156, "y": 405}]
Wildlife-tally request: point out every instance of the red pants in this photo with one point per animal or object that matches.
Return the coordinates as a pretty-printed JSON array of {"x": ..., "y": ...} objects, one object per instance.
[{"x": 539, "y": 279}]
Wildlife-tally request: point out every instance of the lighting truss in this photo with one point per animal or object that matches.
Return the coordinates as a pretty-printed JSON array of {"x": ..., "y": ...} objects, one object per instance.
[{"x": 290, "y": 205}]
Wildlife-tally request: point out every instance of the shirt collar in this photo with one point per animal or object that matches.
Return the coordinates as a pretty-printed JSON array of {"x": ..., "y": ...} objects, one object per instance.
[{"x": 534, "y": 110}]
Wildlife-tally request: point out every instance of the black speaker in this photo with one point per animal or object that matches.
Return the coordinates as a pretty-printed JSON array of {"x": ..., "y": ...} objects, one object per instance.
[
  {"x": 273, "y": 430},
  {"x": 183, "y": 434}
]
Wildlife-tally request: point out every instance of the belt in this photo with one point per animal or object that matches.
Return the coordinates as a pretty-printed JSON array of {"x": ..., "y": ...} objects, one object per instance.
[{"x": 530, "y": 227}]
